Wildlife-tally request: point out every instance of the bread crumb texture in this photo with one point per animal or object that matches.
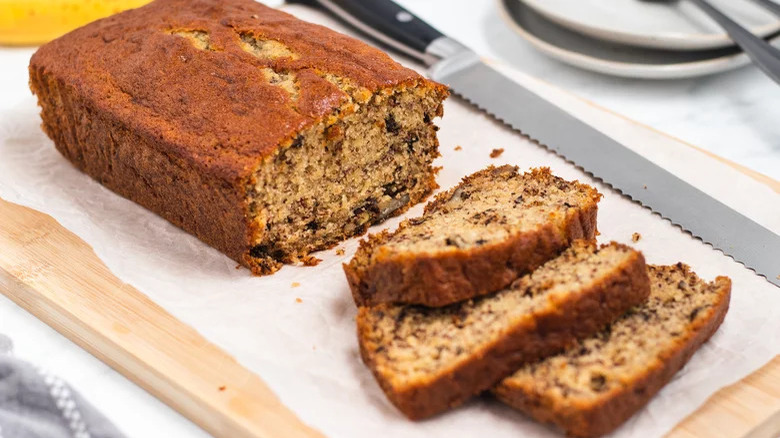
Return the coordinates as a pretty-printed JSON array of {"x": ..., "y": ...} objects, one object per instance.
[
  {"x": 601, "y": 381},
  {"x": 416, "y": 341},
  {"x": 475, "y": 238},
  {"x": 636, "y": 237},
  {"x": 495, "y": 153},
  {"x": 417, "y": 352},
  {"x": 488, "y": 207}
]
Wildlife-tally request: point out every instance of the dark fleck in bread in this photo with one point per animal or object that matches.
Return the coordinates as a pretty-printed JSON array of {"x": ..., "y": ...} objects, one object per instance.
[
  {"x": 476, "y": 238},
  {"x": 599, "y": 383},
  {"x": 429, "y": 359},
  {"x": 265, "y": 136}
]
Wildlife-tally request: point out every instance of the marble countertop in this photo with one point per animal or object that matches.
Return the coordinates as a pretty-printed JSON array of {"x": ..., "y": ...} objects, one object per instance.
[{"x": 733, "y": 115}]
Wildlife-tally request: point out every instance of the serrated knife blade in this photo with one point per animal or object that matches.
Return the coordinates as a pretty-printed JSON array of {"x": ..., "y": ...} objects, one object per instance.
[{"x": 618, "y": 166}]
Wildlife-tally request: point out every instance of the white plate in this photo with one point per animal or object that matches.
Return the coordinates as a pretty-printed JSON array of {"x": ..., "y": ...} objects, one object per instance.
[
  {"x": 615, "y": 59},
  {"x": 677, "y": 25}
]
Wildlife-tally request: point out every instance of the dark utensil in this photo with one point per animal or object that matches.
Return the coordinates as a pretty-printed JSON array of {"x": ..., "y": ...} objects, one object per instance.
[{"x": 763, "y": 54}]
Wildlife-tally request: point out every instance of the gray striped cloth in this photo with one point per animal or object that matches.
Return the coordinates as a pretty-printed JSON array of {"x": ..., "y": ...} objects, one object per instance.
[{"x": 37, "y": 404}]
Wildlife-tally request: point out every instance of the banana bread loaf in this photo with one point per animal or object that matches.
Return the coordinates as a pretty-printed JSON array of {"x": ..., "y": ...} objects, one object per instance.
[
  {"x": 265, "y": 136},
  {"x": 599, "y": 383},
  {"x": 476, "y": 238},
  {"x": 429, "y": 359}
]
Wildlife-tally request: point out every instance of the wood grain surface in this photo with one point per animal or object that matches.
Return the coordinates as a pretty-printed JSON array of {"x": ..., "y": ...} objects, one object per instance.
[
  {"x": 57, "y": 277},
  {"x": 755, "y": 400}
]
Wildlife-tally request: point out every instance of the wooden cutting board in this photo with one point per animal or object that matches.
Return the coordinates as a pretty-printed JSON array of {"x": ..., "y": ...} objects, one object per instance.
[{"x": 57, "y": 277}]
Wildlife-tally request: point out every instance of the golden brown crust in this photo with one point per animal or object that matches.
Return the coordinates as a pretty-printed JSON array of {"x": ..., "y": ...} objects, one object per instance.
[
  {"x": 213, "y": 108},
  {"x": 605, "y": 415},
  {"x": 578, "y": 317},
  {"x": 181, "y": 129},
  {"x": 442, "y": 279},
  {"x": 130, "y": 165}
]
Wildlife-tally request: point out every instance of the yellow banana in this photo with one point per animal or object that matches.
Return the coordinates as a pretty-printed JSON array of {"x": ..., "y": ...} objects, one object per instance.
[{"x": 30, "y": 22}]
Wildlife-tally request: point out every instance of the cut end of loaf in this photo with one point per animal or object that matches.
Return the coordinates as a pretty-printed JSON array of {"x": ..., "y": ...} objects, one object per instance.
[
  {"x": 370, "y": 160},
  {"x": 596, "y": 385}
]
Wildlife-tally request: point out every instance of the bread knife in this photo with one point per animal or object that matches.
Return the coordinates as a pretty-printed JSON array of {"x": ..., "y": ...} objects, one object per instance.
[{"x": 459, "y": 67}]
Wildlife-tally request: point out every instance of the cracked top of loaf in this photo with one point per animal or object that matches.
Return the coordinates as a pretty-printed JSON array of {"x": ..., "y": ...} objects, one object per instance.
[{"x": 220, "y": 83}]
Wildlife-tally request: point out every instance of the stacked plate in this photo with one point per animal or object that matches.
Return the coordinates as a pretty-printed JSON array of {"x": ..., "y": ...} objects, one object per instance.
[{"x": 634, "y": 38}]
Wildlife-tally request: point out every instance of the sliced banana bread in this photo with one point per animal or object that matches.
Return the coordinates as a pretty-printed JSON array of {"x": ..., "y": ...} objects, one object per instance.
[
  {"x": 429, "y": 359},
  {"x": 265, "y": 136},
  {"x": 599, "y": 383},
  {"x": 476, "y": 238}
]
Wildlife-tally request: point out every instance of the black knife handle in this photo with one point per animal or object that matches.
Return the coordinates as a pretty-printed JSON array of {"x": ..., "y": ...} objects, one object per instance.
[{"x": 388, "y": 23}]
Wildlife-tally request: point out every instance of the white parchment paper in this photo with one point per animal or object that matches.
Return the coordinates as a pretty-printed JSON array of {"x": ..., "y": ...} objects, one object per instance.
[{"x": 307, "y": 351}]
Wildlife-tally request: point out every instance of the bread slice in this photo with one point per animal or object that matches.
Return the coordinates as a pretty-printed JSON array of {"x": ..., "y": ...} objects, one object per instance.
[
  {"x": 476, "y": 238},
  {"x": 429, "y": 359},
  {"x": 598, "y": 384}
]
